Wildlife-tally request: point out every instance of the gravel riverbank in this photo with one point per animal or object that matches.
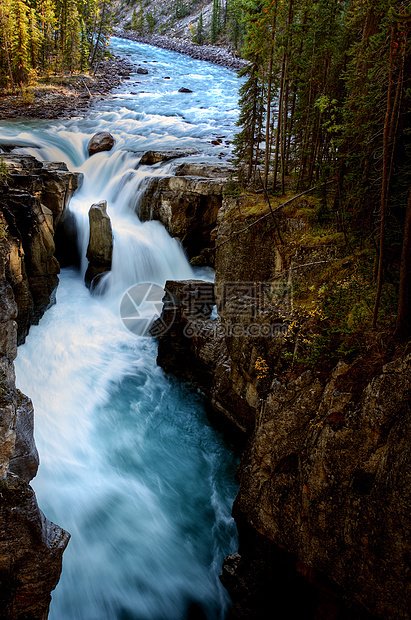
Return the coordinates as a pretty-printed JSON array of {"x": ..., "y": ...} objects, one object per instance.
[{"x": 64, "y": 95}]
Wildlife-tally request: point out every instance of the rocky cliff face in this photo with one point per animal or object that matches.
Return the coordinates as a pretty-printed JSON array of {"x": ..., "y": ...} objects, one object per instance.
[
  {"x": 325, "y": 475},
  {"x": 187, "y": 205},
  {"x": 32, "y": 204}
]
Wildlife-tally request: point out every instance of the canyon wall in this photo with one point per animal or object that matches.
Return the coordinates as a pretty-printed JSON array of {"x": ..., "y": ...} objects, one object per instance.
[
  {"x": 33, "y": 202},
  {"x": 325, "y": 474}
]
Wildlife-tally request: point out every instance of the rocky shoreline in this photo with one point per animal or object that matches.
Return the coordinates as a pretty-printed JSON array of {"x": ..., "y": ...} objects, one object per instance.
[
  {"x": 32, "y": 205},
  {"x": 65, "y": 96},
  {"x": 211, "y": 53}
]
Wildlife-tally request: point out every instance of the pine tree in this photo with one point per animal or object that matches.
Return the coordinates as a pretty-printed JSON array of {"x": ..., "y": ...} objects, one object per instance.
[
  {"x": 5, "y": 47},
  {"x": 20, "y": 48},
  {"x": 134, "y": 20},
  {"x": 235, "y": 27},
  {"x": 103, "y": 31},
  {"x": 35, "y": 38},
  {"x": 199, "y": 35},
  {"x": 247, "y": 141},
  {"x": 47, "y": 25},
  {"x": 215, "y": 29}
]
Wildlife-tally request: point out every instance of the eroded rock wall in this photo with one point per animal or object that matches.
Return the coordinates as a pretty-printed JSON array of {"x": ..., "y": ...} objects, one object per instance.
[
  {"x": 31, "y": 547},
  {"x": 187, "y": 205},
  {"x": 32, "y": 206},
  {"x": 325, "y": 475}
]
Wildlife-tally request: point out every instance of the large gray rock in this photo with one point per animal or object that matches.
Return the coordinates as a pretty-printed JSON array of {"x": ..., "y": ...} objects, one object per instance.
[
  {"x": 184, "y": 331},
  {"x": 101, "y": 141},
  {"x": 8, "y": 352},
  {"x": 25, "y": 460},
  {"x": 154, "y": 157},
  {"x": 100, "y": 247},
  {"x": 187, "y": 206}
]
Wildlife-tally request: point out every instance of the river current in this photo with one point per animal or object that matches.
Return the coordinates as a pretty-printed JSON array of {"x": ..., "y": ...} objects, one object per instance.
[{"x": 130, "y": 465}]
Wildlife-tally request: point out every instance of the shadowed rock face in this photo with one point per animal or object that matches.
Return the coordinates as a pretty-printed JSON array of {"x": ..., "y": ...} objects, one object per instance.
[
  {"x": 326, "y": 472},
  {"x": 31, "y": 547},
  {"x": 100, "y": 247},
  {"x": 101, "y": 141},
  {"x": 187, "y": 206},
  {"x": 33, "y": 204},
  {"x": 327, "y": 476}
]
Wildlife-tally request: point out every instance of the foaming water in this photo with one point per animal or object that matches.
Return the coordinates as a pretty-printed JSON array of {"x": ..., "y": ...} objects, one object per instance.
[{"x": 129, "y": 463}]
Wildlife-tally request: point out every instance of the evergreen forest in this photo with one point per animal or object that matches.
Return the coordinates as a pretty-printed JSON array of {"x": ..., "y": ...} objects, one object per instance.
[
  {"x": 326, "y": 104},
  {"x": 50, "y": 36}
]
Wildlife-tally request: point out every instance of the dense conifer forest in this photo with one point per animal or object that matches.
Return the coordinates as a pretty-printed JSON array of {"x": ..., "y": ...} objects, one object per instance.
[
  {"x": 326, "y": 103},
  {"x": 50, "y": 36}
]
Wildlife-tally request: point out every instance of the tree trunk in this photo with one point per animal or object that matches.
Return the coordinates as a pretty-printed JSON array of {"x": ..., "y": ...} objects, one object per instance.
[
  {"x": 279, "y": 123},
  {"x": 384, "y": 186},
  {"x": 403, "y": 326},
  {"x": 267, "y": 124}
]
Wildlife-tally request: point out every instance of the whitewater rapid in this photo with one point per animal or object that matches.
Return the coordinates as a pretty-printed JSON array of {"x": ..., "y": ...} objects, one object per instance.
[{"x": 130, "y": 465}]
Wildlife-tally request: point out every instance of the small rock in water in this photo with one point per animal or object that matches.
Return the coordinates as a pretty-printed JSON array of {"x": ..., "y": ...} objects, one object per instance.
[
  {"x": 142, "y": 71},
  {"x": 184, "y": 90},
  {"x": 101, "y": 141}
]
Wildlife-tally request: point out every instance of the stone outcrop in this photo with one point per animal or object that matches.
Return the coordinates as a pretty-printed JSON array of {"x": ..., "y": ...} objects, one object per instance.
[
  {"x": 155, "y": 157},
  {"x": 325, "y": 475},
  {"x": 206, "y": 172},
  {"x": 31, "y": 547},
  {"x": 8, "y": 352},
  {"x": 100, "y": 247},
  {"x": 33, "y": 206},
  {"x": 101, "y": 141},
  {"x": 183, "y": 344},
  {"x": 187, "y": 206}
]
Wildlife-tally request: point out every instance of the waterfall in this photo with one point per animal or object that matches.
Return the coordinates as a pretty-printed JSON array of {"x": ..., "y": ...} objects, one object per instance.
[{"x": 130, "y": 466}]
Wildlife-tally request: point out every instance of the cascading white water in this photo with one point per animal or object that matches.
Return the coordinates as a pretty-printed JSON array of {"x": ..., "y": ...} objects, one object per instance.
[{"x": 129, "y": 464}]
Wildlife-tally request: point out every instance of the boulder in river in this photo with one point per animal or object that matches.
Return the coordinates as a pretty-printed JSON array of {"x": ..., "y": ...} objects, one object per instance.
[
  {"x": 100, "y": 246},
  {"x": 101, "y": 141},
  {"x": 184, "y": 90},
  {"x": 142, "y": 71}
]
